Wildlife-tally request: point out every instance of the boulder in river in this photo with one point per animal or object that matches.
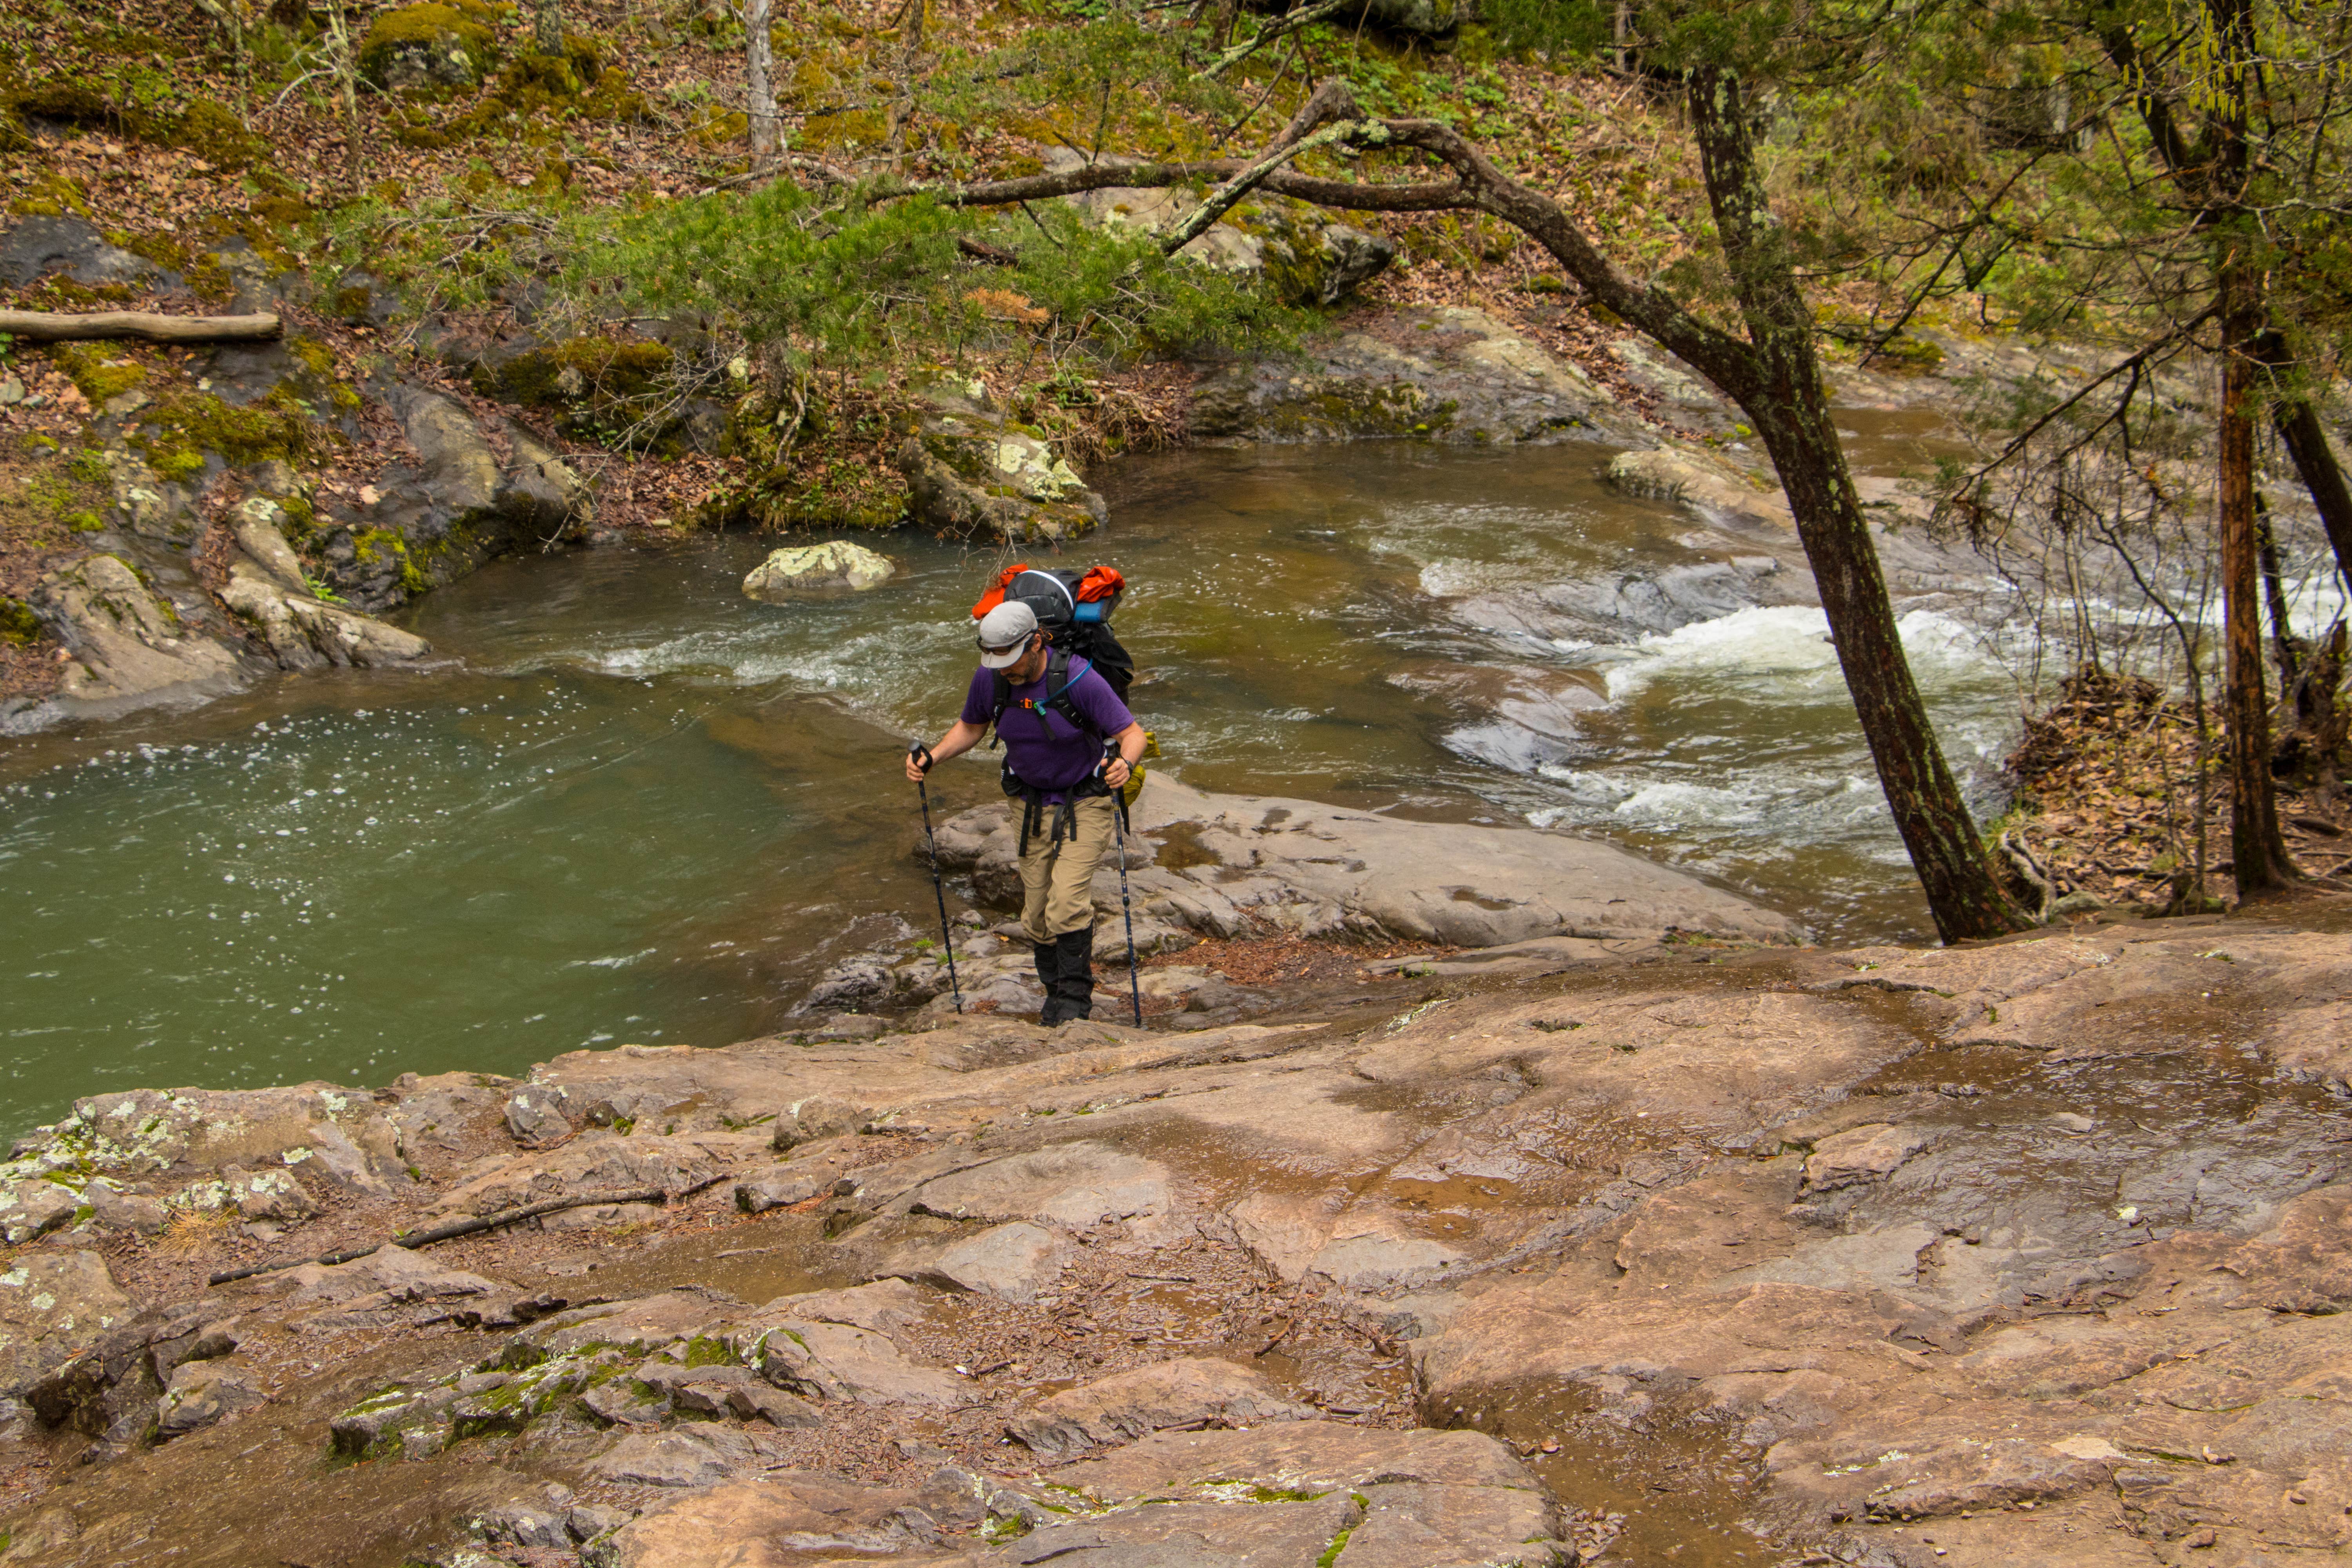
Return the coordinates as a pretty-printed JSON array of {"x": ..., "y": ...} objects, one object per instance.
[
  {"x": 974, "y": 472},
  {"x": 803, "y": 569},
  {"x": 477, "y": 488},
  {"x": 1705, "y": 483}
]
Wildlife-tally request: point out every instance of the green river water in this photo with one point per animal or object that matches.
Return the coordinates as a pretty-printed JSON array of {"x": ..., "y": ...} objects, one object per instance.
[{"x": 634, "y": 805}]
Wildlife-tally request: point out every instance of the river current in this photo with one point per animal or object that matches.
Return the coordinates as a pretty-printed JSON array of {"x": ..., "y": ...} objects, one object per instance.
[{"x": 634, "y": 805}]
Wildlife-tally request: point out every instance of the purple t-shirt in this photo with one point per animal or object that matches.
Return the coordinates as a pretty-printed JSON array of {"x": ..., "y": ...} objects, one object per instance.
[{"x": 1047, "y": 750}]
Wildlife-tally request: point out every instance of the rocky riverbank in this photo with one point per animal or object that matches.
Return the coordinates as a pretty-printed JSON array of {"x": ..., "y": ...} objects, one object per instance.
[{"x": 2029, "y": 1252}]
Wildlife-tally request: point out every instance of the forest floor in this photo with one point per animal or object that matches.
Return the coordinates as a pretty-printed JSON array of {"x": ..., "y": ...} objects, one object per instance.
[{"x": 2108, "y": 801}]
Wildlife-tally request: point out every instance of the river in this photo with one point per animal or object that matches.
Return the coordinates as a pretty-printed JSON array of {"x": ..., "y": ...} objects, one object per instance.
[{"x": 636, "y": 807}]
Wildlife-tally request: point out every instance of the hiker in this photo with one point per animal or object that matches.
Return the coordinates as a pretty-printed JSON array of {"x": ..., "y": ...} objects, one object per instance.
[{"x": 1059, "y": 721}]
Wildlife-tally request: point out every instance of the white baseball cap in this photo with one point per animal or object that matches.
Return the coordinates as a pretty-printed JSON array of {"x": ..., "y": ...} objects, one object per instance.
[{"x": 1004, "y": 634}]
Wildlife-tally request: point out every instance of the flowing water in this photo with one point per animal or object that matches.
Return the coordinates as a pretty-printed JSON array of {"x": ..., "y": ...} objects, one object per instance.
[{"x": 639, "y": 807}]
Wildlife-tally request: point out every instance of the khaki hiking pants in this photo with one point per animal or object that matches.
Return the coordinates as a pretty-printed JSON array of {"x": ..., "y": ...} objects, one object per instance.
[{"x": 1057, "y": 880}]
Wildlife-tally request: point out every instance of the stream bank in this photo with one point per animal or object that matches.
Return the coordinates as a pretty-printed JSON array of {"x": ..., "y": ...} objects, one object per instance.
[{"x": 1896, "y": 1256}]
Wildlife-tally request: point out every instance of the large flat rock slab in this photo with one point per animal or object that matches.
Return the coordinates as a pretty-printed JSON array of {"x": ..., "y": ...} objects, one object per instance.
[{"x": 1219, "y": 860}]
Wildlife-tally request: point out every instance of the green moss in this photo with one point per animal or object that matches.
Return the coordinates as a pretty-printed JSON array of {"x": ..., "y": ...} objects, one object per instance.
[
  {"x": 313, "y": 354},
  {"x": 848, "y": 127},
  {"x": 167, "y": 251},
  {"x": 214, "y": 133},
  {"x": 377, "y": 545},
  {"x": 703, "y": 1351},
  {"x": 579, "y": 372},
  {"x": 74, "y": 102},
  {"x": 281, "y": 214},
  {"x": 89, "y": 466},
  {"x": 18, "y": 625},
  {"x": 277, "y": 426},
  {"x": 1338, "y": 1544},
  {"x": 97, "y": 376},
  {"x": 52, "y": 194}
]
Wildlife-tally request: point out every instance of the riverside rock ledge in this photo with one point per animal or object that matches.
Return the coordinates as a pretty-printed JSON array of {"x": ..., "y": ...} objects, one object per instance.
[{"x": 2032, "y": 1252}]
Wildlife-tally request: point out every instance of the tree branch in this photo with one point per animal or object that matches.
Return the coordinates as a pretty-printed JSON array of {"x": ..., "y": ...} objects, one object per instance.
[{"x": 1330, "y": 101}]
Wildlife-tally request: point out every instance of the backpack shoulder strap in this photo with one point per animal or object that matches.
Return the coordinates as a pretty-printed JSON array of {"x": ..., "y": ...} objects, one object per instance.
[{"x": 1058, "y": 682}]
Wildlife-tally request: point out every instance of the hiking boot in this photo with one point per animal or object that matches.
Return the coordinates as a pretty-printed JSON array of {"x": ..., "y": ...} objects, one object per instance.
[
  {"x": 1048, "y": 957},
  {"x": 1073, "y": 988}
]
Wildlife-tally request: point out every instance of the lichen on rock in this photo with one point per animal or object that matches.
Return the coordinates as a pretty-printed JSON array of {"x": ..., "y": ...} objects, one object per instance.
[{"x": 836, "y": 565}]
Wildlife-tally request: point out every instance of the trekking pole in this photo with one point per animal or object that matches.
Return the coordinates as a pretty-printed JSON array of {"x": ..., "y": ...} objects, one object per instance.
[
  {"x": 939, "y": 888},
  {"x": 1120, "y": 826}
]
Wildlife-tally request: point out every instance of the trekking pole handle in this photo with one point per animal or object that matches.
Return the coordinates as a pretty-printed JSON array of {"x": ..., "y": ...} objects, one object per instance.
[{"x": 922, "y": 755}]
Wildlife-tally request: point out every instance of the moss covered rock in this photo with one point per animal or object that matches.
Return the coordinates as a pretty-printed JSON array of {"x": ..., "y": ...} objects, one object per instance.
[
  {"x": 973, "y": 473},
  {"x": 577, "y": 372},
  {"x": 428, "y": 49}
]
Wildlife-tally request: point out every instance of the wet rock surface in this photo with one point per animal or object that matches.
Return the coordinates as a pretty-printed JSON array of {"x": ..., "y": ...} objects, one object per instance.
[
  {"x": 1689, "y": 1252},
  {"x": 129, "y": 647}
]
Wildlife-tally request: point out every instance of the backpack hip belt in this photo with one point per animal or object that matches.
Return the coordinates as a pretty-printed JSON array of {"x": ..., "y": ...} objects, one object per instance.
[{"x": 1064, "y": 824}]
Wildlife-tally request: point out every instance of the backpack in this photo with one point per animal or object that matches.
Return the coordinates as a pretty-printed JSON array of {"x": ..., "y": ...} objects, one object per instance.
[{"x": 1073, "y": 609}]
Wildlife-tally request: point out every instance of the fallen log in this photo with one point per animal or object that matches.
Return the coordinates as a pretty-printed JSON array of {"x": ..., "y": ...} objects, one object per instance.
[{"x": 56, "y": 326}]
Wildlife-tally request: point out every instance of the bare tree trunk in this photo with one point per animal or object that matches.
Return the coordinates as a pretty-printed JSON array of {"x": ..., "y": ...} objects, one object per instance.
[
  {"x": 759, "y": 64},
  {"x": 2274, "y": 596},
  {"x": 2306, "y": 440},
  {"x": 52, "y": 327},
  {"x": 547, "y": 28},
  {"x": 2259, "y": 850},
  {"x": 2255, "y": 845},
  {"x": 1791, "y": 410}
]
